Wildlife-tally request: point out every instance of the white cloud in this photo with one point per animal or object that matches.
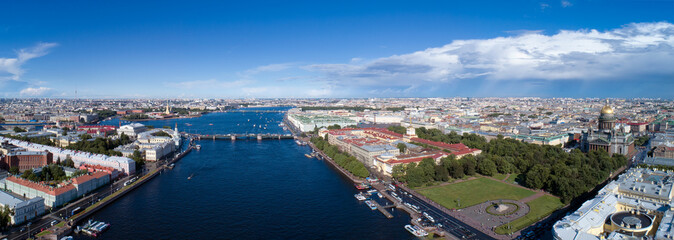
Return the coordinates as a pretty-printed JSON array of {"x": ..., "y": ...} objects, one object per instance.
[
  {"x": 629, "y": 52},
  {"x": 10, "y": 68},
  {"x": 208, "y": 84},
  {"x": 270, "y": 68},
  {"x": 566, "y": 3},
  {"x": 35, "y": 92}
]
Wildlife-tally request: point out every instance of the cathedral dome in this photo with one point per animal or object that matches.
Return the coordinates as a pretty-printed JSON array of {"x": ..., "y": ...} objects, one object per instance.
[{"x": 607, "y": 110}]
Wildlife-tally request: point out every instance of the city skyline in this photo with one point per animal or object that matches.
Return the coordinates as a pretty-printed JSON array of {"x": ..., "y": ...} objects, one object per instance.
[{"x": 303, "y": 49}]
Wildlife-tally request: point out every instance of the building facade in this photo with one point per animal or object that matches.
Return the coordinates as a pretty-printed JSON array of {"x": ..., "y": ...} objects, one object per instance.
[
  {"x": 25, "y": 160},
  {"x": 63, "y": 193},
  {"x": 608, "y": 136},
  {"x": 24, "y": 210}
]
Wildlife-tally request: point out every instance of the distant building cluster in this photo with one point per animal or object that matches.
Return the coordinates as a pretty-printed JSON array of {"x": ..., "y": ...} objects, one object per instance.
[{"x": 565, "y": 122}]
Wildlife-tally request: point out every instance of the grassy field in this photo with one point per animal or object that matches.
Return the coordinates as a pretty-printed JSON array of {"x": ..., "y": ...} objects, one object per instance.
[
  {"x": 512, "y": 178},
  {"x": 500, "y": 176},
  {"x": 539, "y": 208},
  {"x": 474, "y": 192}
]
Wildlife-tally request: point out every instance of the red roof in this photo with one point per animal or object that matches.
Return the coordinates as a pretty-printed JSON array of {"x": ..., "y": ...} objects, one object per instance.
[
  {"x": 386, "y": 131},
  {"x": 418, "y": 158},
  {"x": 451, "y": 147},
  {"x": 41, "y": 187},
  {"x": 82, "y": 179}
]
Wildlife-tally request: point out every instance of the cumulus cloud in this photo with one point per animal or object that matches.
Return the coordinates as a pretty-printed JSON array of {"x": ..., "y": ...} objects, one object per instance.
[
  {"x": 35, "y": 92},
  {"x": 10, "y": 68},
  {"x": 627, "y": 53}
]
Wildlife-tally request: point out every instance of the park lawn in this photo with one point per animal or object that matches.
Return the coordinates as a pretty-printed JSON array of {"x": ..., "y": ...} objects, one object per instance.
[
  {"x": 538, "y": 209},
  {"x": 500, "y": 176},
  {"x": 474, "y": 192},
  {"x": 512, "y": 178}
]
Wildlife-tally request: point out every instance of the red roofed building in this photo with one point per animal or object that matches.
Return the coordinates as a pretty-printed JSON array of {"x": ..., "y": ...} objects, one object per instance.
[
  {"x": 384, "y": 163},
  {"x": 98, "y": 129},
  {"x": 376, "y": 147},
  {"x": 458, "y": 149},
  {"x": 98, "y": 168},
  {"x": 57, "y": 195}
]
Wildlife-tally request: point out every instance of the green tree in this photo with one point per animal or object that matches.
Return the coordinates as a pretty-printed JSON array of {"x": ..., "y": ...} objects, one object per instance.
[
  {"x": 138, "y": 158},
  {"x": 18, "y": 129},
  {"x": 537, "y": 177},
  {"x": 486, "y": 167},
  {"x": 336, "y": 126},
  {"x": 14, "y": 170},
  {"x": 85, "y": 137},
  {"x": 69, "y": 162},
  {"x": 469, "y": 165},
  {"x": 399, "y": 172},
  {"x": 397, "y": 129},
  {"x": 441, "y": 173},
  {"x": 26, "y": 174},
  {"x": 456, "y": 169},
  {"x": 402, "y": 147},
  {"x": 5, "y": 217}
]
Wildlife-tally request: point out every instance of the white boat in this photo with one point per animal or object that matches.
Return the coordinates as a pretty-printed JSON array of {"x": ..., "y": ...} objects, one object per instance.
[
  {"x": 416, "y": 231},
  {"x": 380, "y": 196},
  {"x": 371, "y": 205},
  {"x": 198, "y": 147},
  {"x": 359, "y": 196}
]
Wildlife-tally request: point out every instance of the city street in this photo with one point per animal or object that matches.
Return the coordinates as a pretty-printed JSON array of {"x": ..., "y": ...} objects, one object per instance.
[
  {"x": 62, "y": 213},
  {"x": 449, "y": 224}
]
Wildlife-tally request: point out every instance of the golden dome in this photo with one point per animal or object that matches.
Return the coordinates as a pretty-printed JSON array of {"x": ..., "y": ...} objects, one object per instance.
[{"x": 607, "y": 110}]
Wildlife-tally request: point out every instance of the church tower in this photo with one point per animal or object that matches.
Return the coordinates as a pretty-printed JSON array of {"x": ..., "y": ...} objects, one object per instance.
[
  {"x": 168, "y": 109},
  {"x": 606, "y": 118}
]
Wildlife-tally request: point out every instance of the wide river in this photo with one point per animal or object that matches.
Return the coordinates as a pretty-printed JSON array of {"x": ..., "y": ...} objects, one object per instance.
[{"x": 246, "y": 189}]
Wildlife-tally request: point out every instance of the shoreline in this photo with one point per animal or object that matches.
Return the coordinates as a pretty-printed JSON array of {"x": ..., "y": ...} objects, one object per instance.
[{"x": 159, "y": 119}]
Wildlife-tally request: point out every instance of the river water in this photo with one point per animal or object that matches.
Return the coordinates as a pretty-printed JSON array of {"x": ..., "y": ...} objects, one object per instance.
[{"x": 246, "y": 189}]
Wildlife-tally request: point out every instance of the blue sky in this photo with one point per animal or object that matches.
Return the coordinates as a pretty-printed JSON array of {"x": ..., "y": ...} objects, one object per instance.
[{"x": 239, "y": 49}]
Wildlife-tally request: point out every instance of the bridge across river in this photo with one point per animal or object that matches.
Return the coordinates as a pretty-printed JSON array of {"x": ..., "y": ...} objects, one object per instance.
[{"x": 238, "y": 136}]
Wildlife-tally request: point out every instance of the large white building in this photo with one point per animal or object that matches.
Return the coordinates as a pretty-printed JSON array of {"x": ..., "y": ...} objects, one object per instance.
[
  {"x": 123, "y": 164},
  {"x": 154, "y": 147},
  {"x": 24, "y": 210},
  {"x": 132, "y": 129},
  {"x": 638, "y": 204},
  {"x": 308, "y": 122}
]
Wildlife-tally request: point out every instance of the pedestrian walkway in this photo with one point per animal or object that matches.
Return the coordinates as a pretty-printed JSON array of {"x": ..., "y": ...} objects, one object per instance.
[{"x": 532, "y": 197}]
